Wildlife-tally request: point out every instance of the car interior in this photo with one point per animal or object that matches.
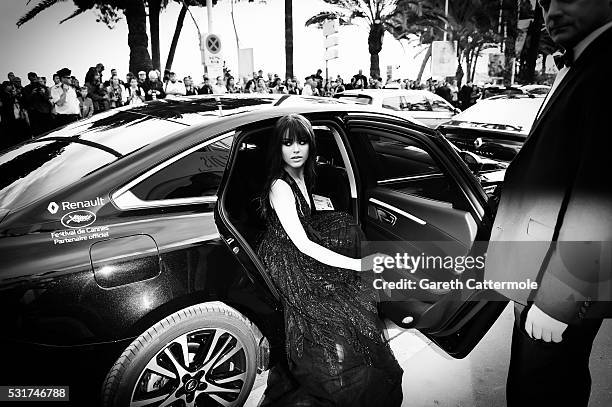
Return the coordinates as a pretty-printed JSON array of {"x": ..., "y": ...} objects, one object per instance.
[
  {"x": 430, "y": 196},
  {"x": 243, "y": 192}
]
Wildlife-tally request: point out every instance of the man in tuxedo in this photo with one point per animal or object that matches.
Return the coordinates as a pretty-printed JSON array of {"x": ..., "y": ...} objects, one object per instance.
[{"x": 554, "y": 221}]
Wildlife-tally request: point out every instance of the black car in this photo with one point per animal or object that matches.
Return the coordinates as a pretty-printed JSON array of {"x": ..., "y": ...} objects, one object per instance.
[{"x": 128, "y": 243}]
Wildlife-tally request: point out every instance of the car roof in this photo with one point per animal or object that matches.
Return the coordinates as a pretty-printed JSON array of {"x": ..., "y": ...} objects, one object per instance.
[
  {"x": 509, "y": 113},
  {"x": 175, "y": 118},
  {"x": 378, "y": 94},
  {"x": 385, "y": 92}
]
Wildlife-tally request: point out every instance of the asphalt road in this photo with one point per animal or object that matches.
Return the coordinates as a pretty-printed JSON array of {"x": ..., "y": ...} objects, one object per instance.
[{"x": 431, "y": 378}]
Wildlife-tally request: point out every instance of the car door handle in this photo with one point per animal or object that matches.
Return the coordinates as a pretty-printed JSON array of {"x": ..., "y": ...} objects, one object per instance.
[{"x": 386, "y": 217}]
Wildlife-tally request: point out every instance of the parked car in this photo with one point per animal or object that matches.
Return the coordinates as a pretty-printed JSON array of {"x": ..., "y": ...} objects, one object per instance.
[
  {"x": 424, "y": 106},
  {"x": 494, "y": 128},
  {"x": 128, "y": 242},
  {"x": 536, "y": 89},
  {"x": 489, "y": 91}
]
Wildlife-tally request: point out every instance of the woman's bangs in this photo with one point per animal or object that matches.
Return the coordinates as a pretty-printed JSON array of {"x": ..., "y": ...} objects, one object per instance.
[{"x": 296, "y": 132}]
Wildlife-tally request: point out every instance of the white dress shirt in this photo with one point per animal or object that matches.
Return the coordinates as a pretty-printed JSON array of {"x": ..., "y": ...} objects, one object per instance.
[{"x": 70, "y": 106}]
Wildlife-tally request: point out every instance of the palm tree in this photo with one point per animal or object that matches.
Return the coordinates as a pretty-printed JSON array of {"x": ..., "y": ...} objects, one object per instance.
[
  {"x": 135, "y": 15},
  {"x": 375, "y": 12},
  {"x": 288, "y": 38},
  {"x": 472, "y": 23}
]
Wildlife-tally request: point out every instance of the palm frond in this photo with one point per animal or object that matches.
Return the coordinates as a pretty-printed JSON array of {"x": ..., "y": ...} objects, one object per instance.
[
  {"x": 34, "y": 11},
  {"x": 323, "y": 16},
  {"x": 74, "y": 14}
]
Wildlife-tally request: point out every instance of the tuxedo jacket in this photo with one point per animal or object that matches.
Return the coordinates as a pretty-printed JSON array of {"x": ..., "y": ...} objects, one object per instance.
[{"x": 554, "y": 220}]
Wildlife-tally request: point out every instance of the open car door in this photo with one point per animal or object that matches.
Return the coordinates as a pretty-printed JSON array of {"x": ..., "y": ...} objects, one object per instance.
[
  {"x": 420, "y": 201},
  {"x": 421, "y": 210}
]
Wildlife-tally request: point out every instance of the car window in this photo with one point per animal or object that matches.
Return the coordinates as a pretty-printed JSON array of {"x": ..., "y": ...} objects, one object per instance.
[
  {"x": 197, "y": 174},
  {"x": 416, "y": 103},
  {"x": 359, "y": 99},
  {"x": 406, "y": 166},
  {"x": 440, "y": 105},
  {"x": 36, "y": 169},
  {"x": 400, "y": 159},
  {"x": 394, "y": 103}
]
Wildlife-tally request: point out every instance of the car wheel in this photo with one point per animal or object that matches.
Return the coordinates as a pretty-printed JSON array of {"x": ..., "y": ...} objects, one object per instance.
[{"x": 203, "y": 355}]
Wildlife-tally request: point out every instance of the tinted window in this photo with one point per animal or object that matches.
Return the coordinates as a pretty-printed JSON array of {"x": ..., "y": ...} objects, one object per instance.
[
  {"x": 401, "y": 159},
  {"x": 407, "y": 167},
  {"x": 198, "y": 174},
  {"x": 34, "y": 170}
]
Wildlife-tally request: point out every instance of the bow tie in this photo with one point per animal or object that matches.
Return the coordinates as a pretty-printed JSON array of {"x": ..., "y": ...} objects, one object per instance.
[{"x": 565, "y": 59}]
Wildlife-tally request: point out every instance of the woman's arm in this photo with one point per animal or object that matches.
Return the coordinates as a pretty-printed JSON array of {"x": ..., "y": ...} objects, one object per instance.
[{"x": 283, "y": 202}]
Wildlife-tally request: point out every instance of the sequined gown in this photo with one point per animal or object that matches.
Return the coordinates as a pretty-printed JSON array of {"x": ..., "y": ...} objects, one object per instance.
[{"x": 336, "y": 352}]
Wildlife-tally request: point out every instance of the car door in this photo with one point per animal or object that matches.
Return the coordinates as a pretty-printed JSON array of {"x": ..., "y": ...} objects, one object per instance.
[
  {"x": 454, "y": 324},
  {"x": 419, "y": 199}
]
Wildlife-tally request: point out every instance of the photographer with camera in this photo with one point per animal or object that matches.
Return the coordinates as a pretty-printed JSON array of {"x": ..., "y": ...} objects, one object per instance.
[{"x": 35, "y": 99}]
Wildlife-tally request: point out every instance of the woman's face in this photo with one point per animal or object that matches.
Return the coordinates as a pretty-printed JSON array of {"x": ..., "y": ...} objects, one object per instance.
[
  {"x": 133, "y": 82},
  {"x": 261, "y": 83},
  {"x": 295, "y": 152}
]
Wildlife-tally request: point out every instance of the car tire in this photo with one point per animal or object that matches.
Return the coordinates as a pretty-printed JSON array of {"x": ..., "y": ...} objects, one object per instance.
[{"x": 220, "y": 369}]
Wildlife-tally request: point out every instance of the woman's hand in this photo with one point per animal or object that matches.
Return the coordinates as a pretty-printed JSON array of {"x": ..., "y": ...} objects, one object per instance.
[{"x": 375, "y": 262}]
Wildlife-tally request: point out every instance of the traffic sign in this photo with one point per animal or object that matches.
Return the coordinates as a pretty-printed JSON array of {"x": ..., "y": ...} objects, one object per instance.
[{"x": 213, "y": 43}]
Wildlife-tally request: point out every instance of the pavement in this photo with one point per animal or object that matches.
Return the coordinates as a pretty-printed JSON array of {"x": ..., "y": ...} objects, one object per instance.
[{"x": 432, "y": 378}]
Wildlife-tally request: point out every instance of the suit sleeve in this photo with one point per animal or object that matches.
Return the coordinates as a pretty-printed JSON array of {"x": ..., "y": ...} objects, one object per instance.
[{"x": 579, "y": 260}]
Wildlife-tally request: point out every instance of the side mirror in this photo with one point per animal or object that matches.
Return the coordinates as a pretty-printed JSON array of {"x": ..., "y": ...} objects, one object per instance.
[{"x": 472, "y": 161}]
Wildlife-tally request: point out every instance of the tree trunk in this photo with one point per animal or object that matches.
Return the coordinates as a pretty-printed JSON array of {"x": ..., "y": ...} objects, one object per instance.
[
  {"x": 154, "y": 12},
  {"x": 138, "y": 41},
  {"x": 475, "y": 56},
  {"x": 468, "y": 65},
  {"x": 424, "y": 63},
  {"x": 531, "y": 54},
  {"x": 289, "y": 39},
  {"x": 375, "y": 38},
  {"x": 177, "y": 33},
  {"x": 459, "y": 74}
]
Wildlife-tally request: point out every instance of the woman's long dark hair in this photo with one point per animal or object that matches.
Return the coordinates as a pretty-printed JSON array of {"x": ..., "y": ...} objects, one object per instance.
[{"x": 288, "y": 128}]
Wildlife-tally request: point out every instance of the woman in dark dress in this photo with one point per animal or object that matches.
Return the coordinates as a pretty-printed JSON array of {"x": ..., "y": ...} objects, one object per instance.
[{"x": 337, "y": 354}]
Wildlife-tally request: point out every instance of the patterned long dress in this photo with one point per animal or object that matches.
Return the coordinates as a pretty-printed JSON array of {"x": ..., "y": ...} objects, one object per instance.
[{"x": 336, "y": 352}]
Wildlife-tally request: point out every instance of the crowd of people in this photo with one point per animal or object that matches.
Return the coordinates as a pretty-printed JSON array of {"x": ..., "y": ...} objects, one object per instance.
[{"x": 30, "y": 110}]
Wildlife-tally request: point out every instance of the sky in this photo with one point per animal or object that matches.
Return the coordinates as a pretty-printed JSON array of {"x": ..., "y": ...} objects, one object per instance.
[{"x": 44, "y": 46}]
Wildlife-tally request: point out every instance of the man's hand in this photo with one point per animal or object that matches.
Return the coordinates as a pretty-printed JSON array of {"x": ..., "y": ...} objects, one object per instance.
[{"x": 540, "y": 325}]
